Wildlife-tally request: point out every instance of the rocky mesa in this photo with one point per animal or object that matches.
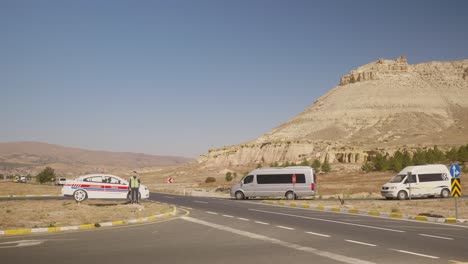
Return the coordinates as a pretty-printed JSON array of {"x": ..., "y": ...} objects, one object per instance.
[{"x": 381, "y": 106}]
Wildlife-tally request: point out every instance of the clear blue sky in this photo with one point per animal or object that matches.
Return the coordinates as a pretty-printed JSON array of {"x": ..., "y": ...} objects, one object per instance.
[{"x": 180, "y": 77}]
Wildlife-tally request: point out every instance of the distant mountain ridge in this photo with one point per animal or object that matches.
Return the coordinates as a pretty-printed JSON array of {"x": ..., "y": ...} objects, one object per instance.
[
  {"x": 31, "y": 157},
  {"x": 381, "y": 106}
]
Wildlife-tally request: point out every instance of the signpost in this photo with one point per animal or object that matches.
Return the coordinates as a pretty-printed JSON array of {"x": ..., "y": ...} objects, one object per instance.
[
  {"x": 169, "y": 180},
  {"x": 455, "y": 171},
  {"x": 409, "y": 183}
]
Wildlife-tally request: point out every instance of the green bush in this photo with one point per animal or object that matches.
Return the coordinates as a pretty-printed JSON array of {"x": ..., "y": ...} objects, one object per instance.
[
  {"x": 316, "y": 165},
  {"x": 228, "y": 176},
  {"x": 304, "y": 163},
  {"x": 47, "y": 175},
  {"x": 326, "y": 166},
  {"x": 210, "y": 179},
  {"x": 368, "y": 166}
]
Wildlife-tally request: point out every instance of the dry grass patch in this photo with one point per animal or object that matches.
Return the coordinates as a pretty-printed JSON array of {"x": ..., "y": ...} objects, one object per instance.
[
  {"x": 11, "y": 188},
  {"x": 32, "y": 214}
]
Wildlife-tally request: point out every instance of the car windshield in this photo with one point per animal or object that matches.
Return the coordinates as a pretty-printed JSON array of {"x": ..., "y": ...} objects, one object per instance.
[{"x": 397, "y": 178}]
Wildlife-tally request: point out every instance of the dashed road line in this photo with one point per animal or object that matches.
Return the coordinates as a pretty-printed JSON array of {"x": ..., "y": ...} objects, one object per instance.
[
  {"x": 168, "y": 197},
  {"x": 325, "y": 254},
  {"x": 331, "y": 221},
  {"x": 243, "y": 219},
  {"x": 262, "y": 223},
  {"x": 188, "y": 208},
  {"x": 285, "y": 227},
  {"x": 200, "y": 202},
  {"x": 213, "y": 213},
  {"x": 229, "y": 216},
  {"x": 317, "y": 234},
  {"x": 446, "y": 238},
  {"x": 415, "y": 254},
  {"x": 360, "y": 243}
]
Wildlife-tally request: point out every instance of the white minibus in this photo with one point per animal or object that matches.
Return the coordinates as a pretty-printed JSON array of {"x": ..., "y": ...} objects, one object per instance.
[
  {"x": 290, "y": 182},
  {"x": 419, "y": 181}
]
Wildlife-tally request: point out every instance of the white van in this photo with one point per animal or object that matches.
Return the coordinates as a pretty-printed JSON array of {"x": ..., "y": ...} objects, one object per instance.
[
  {"x": 425, "y": 181},
  {"x": 290, "y": 182}
]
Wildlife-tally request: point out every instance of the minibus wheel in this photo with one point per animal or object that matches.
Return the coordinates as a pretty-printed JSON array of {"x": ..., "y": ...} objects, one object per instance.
[
  {"x": 290, "y": 195},
  {"x": 445, "y": 193},
  {"x": 402, "y": 195},
  {"x": 240, "y": 195}
]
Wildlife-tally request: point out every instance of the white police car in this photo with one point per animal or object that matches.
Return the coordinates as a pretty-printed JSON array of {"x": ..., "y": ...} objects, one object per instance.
[{"x": 100, "y": 186}]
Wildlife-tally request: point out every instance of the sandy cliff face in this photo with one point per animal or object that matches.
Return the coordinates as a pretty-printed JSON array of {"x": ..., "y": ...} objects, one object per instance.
[{"x": 386, "y": 104}]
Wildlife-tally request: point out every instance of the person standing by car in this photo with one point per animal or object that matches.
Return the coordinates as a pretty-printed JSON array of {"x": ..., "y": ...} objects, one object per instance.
[{"x": 134, "y": 185}]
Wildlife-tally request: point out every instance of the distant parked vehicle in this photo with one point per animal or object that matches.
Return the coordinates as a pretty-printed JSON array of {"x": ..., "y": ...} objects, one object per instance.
[
  {"x": 423, "y": 180},
  {"x": 100, "y": 186},
  {"x": 60, "y": 181},
  {"x": 290, "y": 182},
  {"x": 20, "y": 179}
]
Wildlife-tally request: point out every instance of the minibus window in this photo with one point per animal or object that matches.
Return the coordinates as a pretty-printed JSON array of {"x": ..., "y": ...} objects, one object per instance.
[
  {"x": 412, "y": 179},
  {"x": 248, "y": 179},
  {"x": 398, "y": 178}
]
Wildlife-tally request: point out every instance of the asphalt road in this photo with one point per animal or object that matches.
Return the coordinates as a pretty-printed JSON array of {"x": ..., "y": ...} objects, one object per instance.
[{"x": 215, "y": 230}]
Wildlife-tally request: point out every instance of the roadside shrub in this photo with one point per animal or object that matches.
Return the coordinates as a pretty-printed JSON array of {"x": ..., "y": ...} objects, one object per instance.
[
  {"x": 326, "y": 166},
  {"x": 367, "y": 166},
  {"x": 210, "y": 179},
  {"x": 304, "y": 163},
  {"x": 316, "y": 165},
  {"x": 47, "y": 175},
  {"x": 228, "y": 176}
]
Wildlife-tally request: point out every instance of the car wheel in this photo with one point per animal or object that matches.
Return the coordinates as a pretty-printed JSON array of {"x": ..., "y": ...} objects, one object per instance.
[
  {"x": 80, "y": 195},
  {"x": 402, "y": 195},
  {"x": 445, "y": 193},
  {"x": 290, "y": 196},
  {"x": 240, "y": 195}
]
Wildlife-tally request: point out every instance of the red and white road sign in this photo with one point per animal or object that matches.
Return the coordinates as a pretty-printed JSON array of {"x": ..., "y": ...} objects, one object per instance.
[{"x": 169, "y": 180}]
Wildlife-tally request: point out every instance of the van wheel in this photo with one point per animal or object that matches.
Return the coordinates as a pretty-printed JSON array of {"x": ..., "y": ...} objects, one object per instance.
[
  {"x": 290, "y": 196},
  {"x": 445, "y": 193},
  {"x": 402, "y": 195},
  {"x": 240, "y": 196}
]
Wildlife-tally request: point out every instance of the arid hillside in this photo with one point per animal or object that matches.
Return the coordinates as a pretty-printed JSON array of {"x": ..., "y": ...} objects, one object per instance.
[
  {"x": 382, "y": 106},
  {"x": 31, "y": 157}
]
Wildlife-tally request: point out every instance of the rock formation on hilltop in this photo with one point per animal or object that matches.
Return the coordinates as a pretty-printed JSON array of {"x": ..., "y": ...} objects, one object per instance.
[{"x": 384, "y": 105}]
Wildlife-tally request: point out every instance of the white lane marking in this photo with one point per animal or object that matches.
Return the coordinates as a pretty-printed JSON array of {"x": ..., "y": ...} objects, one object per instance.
[
  {"x": 230, "y": 216},
  {"x": 201, "y": 202},
  {"x": 331, "y": 221},
  {"x": 455, "y": 261},
  {"x": 416, "y": 254},
  {"x": 317, "y": 234},
  {"x": 212, "y": 213},
  {"x": 243, "y": 219},
  {"x": 188, "y": 208},
  {"x": 21, "y": 243},
  {"x": 360, "y": 243},
  {"x": 262, "y": 223},
  {"x": 446, "y": 238},
  {"x": 318, "y": 252},
  {"x": 285, "y": 227},
  {"x": 448, "y": 226},
  {"x": 168, "y": 197}
]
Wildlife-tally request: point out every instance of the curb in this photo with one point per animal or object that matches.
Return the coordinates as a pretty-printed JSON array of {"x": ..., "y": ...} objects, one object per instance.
[
  {"x": 370, "y": 213},
  {"x": 30, "y": 195},
  {"x": 84, "y": 227}
]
